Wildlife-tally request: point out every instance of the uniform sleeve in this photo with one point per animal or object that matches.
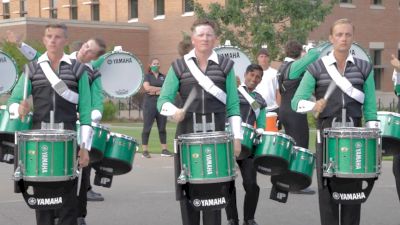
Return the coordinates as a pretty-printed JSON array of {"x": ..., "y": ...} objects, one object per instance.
[
  {"x": 97, "y": 63},
  {"x": 97, "y": 95},
  {"x": 304, "y": 91},
  {"x": 29, "y": 52},
  {"x": 261, "y": 119},
  {"x": 169, "y": 89},
  {"x": 17, "y": 93},
  {"x": 232, "y": 101},
  {"x": 85, "y": 101},
  {"x": 369, "y": 107},
  {"x": 300, "y": 65}
]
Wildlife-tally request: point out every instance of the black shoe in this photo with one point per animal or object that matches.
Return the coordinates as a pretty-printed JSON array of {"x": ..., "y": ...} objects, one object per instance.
[
  {"x": 94, "y": 193},
  {"x": 166, "y": 153},
  {"x": 305, "y": 191},
  {"x": 233, "y": 222},
  {"x": 81, "y": 221},
  {"x": 93, "y": 196},
  {"x": 250, "y": 222},
  {"x": 146, "y": 154}
]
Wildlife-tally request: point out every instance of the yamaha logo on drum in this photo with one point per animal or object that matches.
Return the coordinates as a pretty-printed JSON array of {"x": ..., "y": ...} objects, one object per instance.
[
  {"x": 3, "y": 59},
  {"x": 348, "y": 196},
  {"x": 119, "y": 60},
  {"x": 231, "y": 55},
  {"x": 45, "y": 159},
  {"x": 45, "y": 201},
  {"x": 32, "y": 201},
  {"x": 209, "y": 202},
  {"x": 358, "y": 155},
  {"x": 209, "y": 162}
]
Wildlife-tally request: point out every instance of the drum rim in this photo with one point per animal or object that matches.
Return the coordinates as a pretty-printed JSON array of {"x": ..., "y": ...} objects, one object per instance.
[
  {"x": 16, "y": 72},
  {"x": 52, "y": 132},
  {"x": 243, "y": 124},
  {"x": 298, "y": 148},
  {"x": 346, "y": 132},
  {"x": 279, "y": 134},
  {"x": 119, "y": 135},
  {"x": 197, "y": 135},
  {"x": 141, "y": 67},
  {"x": 100, "y": 126},
  {"x": 388, "y": 113}
]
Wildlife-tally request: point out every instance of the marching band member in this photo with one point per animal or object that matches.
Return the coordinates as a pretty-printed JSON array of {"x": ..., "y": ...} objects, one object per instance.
[
  {"x": 217, "y": 99},
  {"x": 355, "y": 94},
  {"x": 250, "y": 113},
  {"x": 47, "y": 97},
  {"x": 396, "y": 156}
]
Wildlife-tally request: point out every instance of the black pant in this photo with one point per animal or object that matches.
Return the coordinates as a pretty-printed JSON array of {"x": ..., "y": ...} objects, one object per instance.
[
  {"x": 251, "y": 188},
  {"x": 82, "y": 198},
  {"x": 150, "y": 113},
  {"x": 329, "y": 211},
  {"x": 295, "y": 124}
]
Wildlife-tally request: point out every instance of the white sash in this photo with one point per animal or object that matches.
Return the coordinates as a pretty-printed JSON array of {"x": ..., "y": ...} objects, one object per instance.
[
  {"x": 205, "y": 82},
  {"x": 253, "y": 103},
  {"x": 342, "y": 82},
  {"x": 58, "y": 85}
]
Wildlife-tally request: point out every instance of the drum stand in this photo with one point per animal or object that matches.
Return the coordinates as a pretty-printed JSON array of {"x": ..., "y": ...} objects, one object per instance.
[
  {"x": 203, "y": 126},
  {"x": 344, "y": 122}
]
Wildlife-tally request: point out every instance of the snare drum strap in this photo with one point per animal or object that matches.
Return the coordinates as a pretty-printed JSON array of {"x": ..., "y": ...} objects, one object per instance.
[
  {"x": 58, "y": 85},
  {"x": 342, "y": 81},
  {"x": 205, "y": 82},
  {"x": 253, "y": 103}
]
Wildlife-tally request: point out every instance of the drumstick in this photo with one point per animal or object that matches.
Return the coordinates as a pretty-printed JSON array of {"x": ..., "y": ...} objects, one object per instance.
[
  {"x": 80, "y": 173},
  {"x": 328, "y": 93},
  {"x": 26, "y": 82},
  {"x": 190, "y": 99}
]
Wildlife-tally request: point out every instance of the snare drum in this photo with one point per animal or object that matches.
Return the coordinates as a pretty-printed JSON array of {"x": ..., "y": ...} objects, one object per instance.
[
  {"x": 119, "y": 154},
  {"x": 390, "y": 128},
  {"x": 121, "y": 74},
  {"x": 272, "y": 154},
  {"x": 352, "y": 152},
  {"x": 236, "y": 55},
  {"x": 9, "y": 72},
  {"x": 301, "y": 167},
  {"x": 206, "y": 157},
  {"x": 46, "y": 155},
  {"x": 8, "y": 127},
  {"x": 271, "y": 122}
]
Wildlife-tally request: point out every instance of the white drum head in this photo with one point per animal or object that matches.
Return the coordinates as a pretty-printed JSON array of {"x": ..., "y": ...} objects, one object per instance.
[
  {"x": 355, "y": 50},
  {"x": 236, "y": 55},
  {"x": 8, "y": 71},
  {"x": 121, "y": 74}
]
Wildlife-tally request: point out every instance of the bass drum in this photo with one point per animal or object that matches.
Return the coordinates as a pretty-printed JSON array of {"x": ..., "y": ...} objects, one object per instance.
[
  {"x": 355, "y": 50},
  {"x": 236, "y": 55},
  {"x": 9, "y": 73},
  {"x": 121, "y": 74}
]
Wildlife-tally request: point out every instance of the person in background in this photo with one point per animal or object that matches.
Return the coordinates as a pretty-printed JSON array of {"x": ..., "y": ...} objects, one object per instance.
[{"x": 153, "y": 81}]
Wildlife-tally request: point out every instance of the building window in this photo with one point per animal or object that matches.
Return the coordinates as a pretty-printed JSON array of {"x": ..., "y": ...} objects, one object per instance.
[
  {"x": 376, "y": 56},
  {"x": 22, "y": 8},
  {"x": 133, "y": 9},
  {"x": 95, "y": 10},
  {"x": 53, "y": 9},
  {"x": 346, "y": 1},
  {"x": 6, "y": 9},
  {"x": 188, "y": 6},
  {"x": 376, "y": 2},
  {"x": 159, "y": 9},
  {"x": 73, "y": 10}
]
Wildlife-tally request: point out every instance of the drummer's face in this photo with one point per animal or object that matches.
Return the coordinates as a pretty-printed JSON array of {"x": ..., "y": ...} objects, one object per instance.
[
  {"x": 203, "y": 38},
  {"x": 342, "y": 37},
  {"x": 54, "y": 40},
  {"x": 252, "y": 79},
  {"x": 88, "y": 52}
]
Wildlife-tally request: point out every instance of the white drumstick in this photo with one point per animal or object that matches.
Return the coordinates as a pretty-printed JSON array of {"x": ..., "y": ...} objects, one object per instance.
[
  {"x": 328, "y": 93},
  {"x": 80, "y": 173},
  {"x": 190, "y": 99},
  {"x": 26, "y": 82}
]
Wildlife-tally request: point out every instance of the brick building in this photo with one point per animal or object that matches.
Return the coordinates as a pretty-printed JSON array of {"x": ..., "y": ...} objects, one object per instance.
[{"x": 153, "y": 28}]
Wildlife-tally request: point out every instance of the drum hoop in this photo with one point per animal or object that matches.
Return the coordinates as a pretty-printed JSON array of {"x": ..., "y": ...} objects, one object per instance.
[
  {"x": 141, "y": 79},
  {"x": 123, "y": 136},
  {"x": 247, "y": 125},
  {"x": 301, "y": 149},
  {"x": 388, "y": 113},
  {"x": 16, "y": 70},
  {"x": 361, "y": 132},
  {"x": 207, "y": 135},
  {"x": 100, "y": 126},
  {"x": 278, "y": 134}
]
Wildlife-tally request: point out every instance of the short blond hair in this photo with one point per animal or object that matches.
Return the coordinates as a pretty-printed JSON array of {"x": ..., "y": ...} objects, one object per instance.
[{"x": 341, "y": 21}]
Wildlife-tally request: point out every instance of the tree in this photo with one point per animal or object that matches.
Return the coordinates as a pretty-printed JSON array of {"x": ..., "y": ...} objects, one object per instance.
[{"x": 250, "y": 24}]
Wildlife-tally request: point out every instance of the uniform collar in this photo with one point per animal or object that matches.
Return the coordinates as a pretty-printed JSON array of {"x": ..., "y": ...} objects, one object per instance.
[
  {"x": 331, "y": 58},
  {"x": 288, "y": 59},
  {"x": 45, "y": 57},
  {"x": 74, "y": 55},
  {"x": 213, "y": 57}
]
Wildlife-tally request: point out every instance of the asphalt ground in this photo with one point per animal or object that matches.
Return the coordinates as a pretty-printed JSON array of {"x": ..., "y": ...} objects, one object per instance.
[{"x": 146, "y": 196}]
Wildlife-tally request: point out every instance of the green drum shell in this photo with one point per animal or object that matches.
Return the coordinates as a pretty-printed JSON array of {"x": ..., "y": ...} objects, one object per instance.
[
  {"x": 119, "y": 154},
  {"x": 248, "y": 136},
  {"x": 47, "y": 155},
  {"x": 352, "y": 152},
  {"x": 302, "y": 161},
  {"x": 272, "y": 154},
  {"x": 390, "y": 124},
  {"x": 8, "y": 125},
  {"x": 99, "y": 142},
  {"x": 207, "y": 157}
]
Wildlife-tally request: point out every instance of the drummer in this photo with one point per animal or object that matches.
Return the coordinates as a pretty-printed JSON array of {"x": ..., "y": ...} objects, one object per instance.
[
  {"x": 360, "y": 74},
  {"x": 55, "y": 39},
  {"x": 87, "y": 52},
  {"x": 249, "y": 115},
  {"x": 213, "y": 109},
  {"x": 396, "y": 81}
]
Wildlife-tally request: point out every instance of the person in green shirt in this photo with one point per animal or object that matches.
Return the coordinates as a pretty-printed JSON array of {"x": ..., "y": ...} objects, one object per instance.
[
  {"x": 211, "y": 110},
  {"x": 65, "y": 107},
  {"x": 316, "y": 80}
]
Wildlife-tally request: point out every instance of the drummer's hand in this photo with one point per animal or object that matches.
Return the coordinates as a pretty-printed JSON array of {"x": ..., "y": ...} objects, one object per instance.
[
  {"x": 23, "y": 109},
  {"x": 395, "y": 63},
  {"x": 83, "y": 157},
  {"x": 179, "y": 115},
  {"x": 237, "y": 147},
  {"x": 319, "y": 105},
  {"x": 13, "y": 38}
]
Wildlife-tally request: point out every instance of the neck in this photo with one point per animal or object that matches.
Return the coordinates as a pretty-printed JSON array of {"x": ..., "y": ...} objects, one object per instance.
[
  {"x": 341, "y": 60},
  {"x": 265, "y": 67},
  {"x": 202, "y": 59},
  {"x": 55, "y": 56}
]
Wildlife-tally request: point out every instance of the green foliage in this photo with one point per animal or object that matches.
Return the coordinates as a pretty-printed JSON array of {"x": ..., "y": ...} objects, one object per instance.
[
  {"x": 109, "y": 111},
  {"x": 249, "y": 24}
]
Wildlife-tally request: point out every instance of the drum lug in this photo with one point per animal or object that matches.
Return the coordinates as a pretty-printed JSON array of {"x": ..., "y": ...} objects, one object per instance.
[
  {"x": 17, "y": 174},
  {"x": 182, "y": 177}
]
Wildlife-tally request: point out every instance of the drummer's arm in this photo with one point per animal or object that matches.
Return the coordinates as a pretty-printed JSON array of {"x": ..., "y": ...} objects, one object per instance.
[
  {"x": 299, "y": 66},
  {"x": 85, "y": 107},
  {"x": 97, "y": 63},
  {"x": 369, "y": 107},
  {"x": 29, "y": 52},
  {"x": 300, "y": 101},
  {"x": 233, "y": 106},
  {"x": 261, "y": 119},
  {"x": 97, "y": 100},
  {"x": 168, "y": 93}
]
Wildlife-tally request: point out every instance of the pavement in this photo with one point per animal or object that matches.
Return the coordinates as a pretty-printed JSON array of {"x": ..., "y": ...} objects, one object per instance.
[{"x": 146, "y": 196}]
